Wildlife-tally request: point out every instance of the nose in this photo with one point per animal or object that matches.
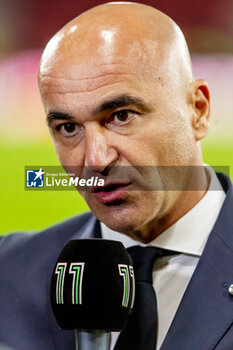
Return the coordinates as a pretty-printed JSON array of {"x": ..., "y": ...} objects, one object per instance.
[{"x": 99, "y": 152}]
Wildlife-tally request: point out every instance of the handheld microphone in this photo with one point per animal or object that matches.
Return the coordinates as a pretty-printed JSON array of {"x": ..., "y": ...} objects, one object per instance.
[{"x": 92, "y": 290}]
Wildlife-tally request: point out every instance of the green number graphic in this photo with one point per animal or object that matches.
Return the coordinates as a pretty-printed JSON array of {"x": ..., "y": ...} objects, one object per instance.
[
  {"x": 60, "y": 271},
  {"x": 77, "y": 270}
]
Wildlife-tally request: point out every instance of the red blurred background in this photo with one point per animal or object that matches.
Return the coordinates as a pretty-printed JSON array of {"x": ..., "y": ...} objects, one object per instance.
[
  {"x": 26, "y": 26},
  {"x": 207, "y": 24}
]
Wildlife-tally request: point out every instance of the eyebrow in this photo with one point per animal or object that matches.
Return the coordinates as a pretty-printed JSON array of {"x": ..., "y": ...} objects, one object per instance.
[
  {"x": 111, "y": 104},
  {"x": 58, "y": 116},
  {"x": 122, "y": 101}
]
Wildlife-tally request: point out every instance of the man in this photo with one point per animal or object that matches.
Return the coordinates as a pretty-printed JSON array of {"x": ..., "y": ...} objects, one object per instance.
[{"x": 118, "y": 91}]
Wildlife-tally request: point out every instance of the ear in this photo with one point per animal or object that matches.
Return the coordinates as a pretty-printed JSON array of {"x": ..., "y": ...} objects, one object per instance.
[{"x": 200, "y": 101}]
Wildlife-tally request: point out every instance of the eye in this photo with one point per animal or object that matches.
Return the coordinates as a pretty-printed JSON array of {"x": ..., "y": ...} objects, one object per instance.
[
  {"x": 121, "y": 117},
  {"x": 68, "y": 129}
]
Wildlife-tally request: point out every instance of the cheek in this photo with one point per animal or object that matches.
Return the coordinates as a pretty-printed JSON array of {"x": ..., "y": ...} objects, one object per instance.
[
  {"x": 61, "y": 152},
  {"x": 70, "y": 155},
  {"x": 181, "y": 141},
  {"x": 150, "y": 146},
  {"x": 140, "y": 149},
  {"x": 171, "y": 141}
]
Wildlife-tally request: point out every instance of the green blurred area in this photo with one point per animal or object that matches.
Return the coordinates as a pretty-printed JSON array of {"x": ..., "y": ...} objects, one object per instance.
[{"x": 28, "y": 210}]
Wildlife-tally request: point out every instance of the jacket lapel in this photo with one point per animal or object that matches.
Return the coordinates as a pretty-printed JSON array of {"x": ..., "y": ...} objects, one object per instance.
[{"x": 206, "y": 309}]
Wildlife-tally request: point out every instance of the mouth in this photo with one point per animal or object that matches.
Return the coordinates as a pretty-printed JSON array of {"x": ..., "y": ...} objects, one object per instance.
[{"x": 111, "y": 193}]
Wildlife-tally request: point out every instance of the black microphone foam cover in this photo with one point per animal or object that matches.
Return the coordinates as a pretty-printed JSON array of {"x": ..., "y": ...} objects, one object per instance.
[{"x": 92, "y": 285}]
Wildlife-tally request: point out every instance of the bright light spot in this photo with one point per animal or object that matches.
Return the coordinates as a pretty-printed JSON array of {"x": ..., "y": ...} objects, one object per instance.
[
  {"x": 107, "y": 35},
  {"x": 50, "y": 51},
  {"x": 72, "y": 29}
]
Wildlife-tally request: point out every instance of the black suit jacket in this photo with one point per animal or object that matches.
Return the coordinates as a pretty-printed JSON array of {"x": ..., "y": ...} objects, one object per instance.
[{"x": 203, "y": 320}]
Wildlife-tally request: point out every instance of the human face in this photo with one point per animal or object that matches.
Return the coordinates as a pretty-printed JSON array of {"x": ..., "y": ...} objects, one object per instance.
[{"x": 121, "y": 113}]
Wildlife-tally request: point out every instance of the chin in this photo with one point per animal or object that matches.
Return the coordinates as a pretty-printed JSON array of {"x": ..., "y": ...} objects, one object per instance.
[
  {"x": 129, "y": 221},
  {"x": 132, "y": 230},
  {"x": 122, "y": 226},
  {"x": 133, "y": 216}
]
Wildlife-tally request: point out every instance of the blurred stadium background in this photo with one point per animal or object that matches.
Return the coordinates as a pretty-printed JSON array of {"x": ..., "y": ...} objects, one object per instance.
[{"x": 25, "y": 28}]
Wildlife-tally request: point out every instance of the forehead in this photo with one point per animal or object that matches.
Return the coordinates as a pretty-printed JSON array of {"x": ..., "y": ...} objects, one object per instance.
[
  {"x": 67, "y": 84},
  {"x": 80, "y": 70},
  {"x": 87, "y": 77}
]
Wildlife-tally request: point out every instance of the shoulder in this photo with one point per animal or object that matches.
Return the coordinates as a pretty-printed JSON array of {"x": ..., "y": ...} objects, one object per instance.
[
  {"x": 26, "y": 264},
  {"x": 50, "y": 240}
]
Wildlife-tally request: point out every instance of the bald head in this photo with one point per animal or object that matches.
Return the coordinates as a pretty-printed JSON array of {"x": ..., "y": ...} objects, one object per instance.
[
  {"x": 118, "y": 89},
  {"x": 120, "y": 32}
]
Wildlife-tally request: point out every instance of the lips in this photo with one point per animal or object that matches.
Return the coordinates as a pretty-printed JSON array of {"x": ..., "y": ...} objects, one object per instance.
[{"x": 111, "y": 193}]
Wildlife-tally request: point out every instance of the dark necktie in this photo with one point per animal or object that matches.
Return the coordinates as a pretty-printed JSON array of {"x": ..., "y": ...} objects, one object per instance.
[{"x": 140, "y": 332}]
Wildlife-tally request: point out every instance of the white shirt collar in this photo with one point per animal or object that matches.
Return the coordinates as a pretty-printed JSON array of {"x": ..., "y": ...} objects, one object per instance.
[{"x": 190, "y": 233}]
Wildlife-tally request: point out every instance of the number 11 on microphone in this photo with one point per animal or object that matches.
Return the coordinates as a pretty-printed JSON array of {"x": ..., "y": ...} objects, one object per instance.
[{"x": 76, "y": 269}]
